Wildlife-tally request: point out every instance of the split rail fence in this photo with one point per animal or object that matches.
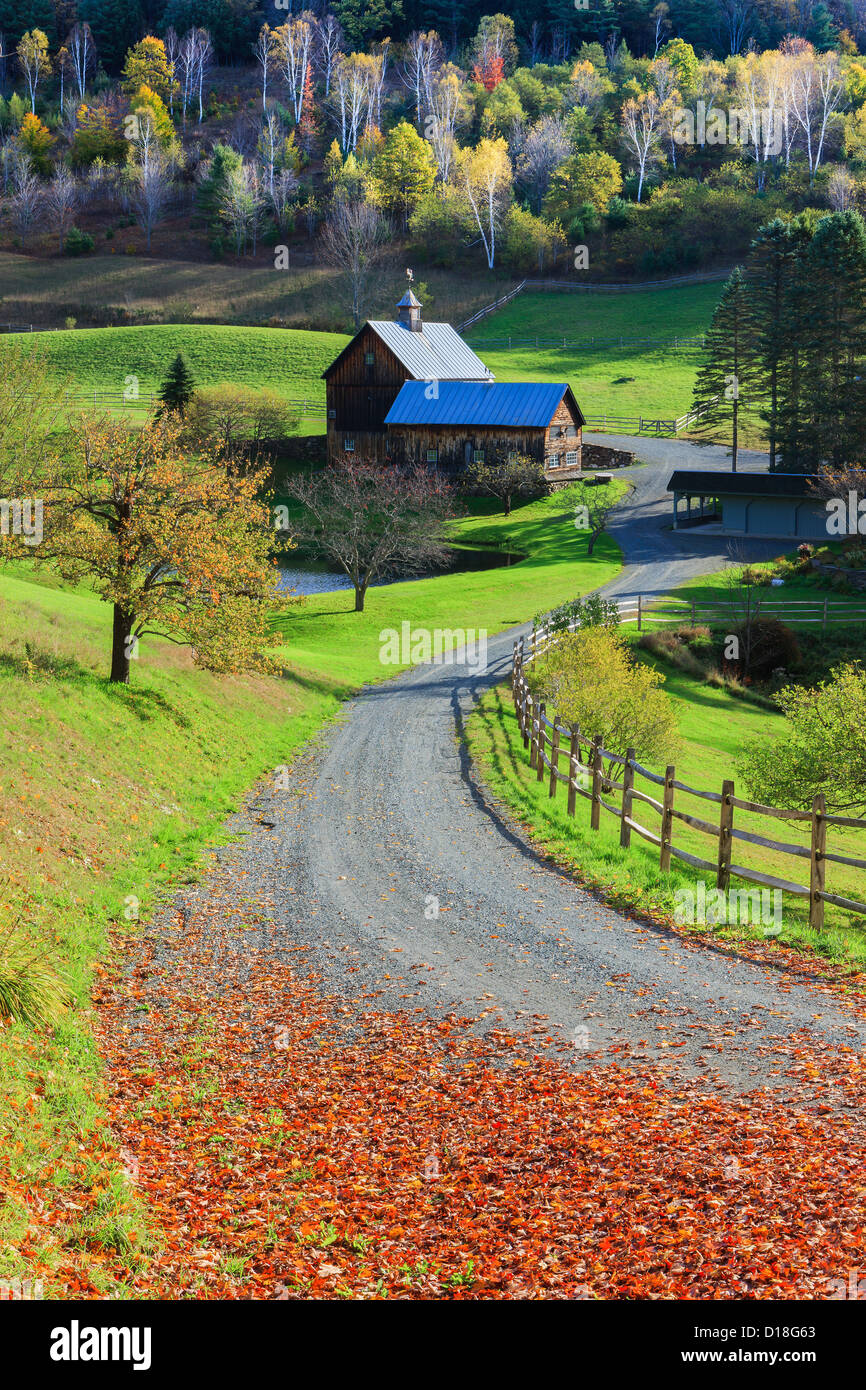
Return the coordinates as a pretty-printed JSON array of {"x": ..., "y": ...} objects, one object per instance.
[
  {"x": 645, "y": 610},
  {"x": 550, "y": 742}
]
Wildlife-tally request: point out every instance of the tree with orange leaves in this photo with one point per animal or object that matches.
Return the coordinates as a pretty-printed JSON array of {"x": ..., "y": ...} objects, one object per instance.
[
  {"x": 494, "y": 50},
  {"x": 182, "y": 548}
]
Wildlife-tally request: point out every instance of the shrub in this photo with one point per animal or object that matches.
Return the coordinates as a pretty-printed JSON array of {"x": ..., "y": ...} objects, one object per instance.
[
  {"x": 770, "y": 645},
  {"x": 592, "y": 611},
  {"x": 591, "y": 680},
  {"x": 30, "y": 991},
  {"x": 77, "y": 243}
]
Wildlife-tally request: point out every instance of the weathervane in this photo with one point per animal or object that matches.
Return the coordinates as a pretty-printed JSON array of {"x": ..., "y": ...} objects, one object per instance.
[{"x": 410, "y": 276}]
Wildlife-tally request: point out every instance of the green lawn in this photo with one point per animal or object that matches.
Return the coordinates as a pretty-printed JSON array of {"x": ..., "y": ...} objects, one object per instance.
[
  {"x": 629, "y": 380},
  {"x": 666, "y": 313},
  {"x": 713, "y": 727},
  {"x": 109, "y": 798},
  {"x": 287, "y": 361},
  {"x": 556, "y": 567}
]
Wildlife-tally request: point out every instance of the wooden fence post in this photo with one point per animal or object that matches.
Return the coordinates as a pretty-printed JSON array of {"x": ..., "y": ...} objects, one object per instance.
[
  {"x": 667, "y": 820},
  {"x": 526, "y": 715},
  {"x": 533, "y": 733},
  {"x": 726, "y": 823},
  {"x": 817, "y": 861},
  {"x": 573, "y": 752},
  {"x": 554, "y": 759},
  {"x": 514, "y": 669},
  {"x": 627, "y": 788},
  {"x": 595, "y": 814},
  {"x": 539, "y": 747}
]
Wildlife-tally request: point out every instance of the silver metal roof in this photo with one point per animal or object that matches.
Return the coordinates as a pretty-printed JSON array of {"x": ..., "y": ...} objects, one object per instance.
[{"x": 436, "y": 353}]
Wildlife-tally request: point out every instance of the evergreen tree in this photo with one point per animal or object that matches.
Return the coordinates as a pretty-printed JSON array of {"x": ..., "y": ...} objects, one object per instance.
[
  {"x": 836, "y": 348},
  {"x": 770, "y": 272},
  {"x": 224, "y": 163},
  {"x": 178, "y": 388},
  {"x": 727, "y": 372},
  {"x": 793, "y": 410}
]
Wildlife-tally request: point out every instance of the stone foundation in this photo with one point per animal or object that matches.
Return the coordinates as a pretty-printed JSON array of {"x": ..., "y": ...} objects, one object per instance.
[{"x": 602, "y": 456}]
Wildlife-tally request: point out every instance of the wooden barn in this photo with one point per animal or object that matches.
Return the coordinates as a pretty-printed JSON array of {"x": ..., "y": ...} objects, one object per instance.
[
  {"x": 451, "y": 424},
  {"x": 363, "y": 382}
]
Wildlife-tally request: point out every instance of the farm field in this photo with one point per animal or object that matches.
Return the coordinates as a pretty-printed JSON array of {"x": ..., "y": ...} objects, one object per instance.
[
  {"x": 45, "y": 291},
  {"x": 619, "y": 381}
]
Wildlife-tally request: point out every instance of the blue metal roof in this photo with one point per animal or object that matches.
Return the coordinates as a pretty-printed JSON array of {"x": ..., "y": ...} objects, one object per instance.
[{"x": 512, "y": 404}]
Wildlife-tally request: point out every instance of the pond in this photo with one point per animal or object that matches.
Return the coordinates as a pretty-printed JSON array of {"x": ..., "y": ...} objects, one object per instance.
[{"x": 307, "y": 576}]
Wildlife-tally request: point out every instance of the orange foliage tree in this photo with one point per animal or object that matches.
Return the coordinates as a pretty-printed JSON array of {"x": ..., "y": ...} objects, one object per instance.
[{"x": 182, "y": 548}]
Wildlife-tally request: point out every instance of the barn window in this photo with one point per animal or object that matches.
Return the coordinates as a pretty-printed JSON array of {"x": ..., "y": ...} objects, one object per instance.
[
  {"x": 332, "y": 414},
  {"x": 571, "y": 459},
  {"x": 553, "y": 461},
  {"x": 349, "y": 444},
  {"x": 555, "y": 431},
  {"x": 477, "y": 455},
  {"x": 432, "y": 455},
  {"x": 571, "y": 431},
  {"x": 369, "y": 359}
]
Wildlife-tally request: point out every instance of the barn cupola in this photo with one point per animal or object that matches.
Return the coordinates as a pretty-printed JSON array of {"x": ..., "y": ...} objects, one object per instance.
[{"x": 409, "y": 312}]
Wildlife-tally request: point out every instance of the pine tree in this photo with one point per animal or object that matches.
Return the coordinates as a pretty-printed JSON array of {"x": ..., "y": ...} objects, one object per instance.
[
  {"x": 836, "y": 362},
  {"x": 770, "y": 273},
  {"x": 178, "y": 388},
  {"x": 794, "y": 403},
  {"x": 727, "y": 373}
]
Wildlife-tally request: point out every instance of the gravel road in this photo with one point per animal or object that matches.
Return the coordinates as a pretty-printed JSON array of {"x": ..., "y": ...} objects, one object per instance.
[{"x": 409, "y": 886}]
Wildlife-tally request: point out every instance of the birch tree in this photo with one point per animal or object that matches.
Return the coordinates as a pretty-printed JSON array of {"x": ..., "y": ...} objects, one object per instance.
[
  {"x": 292, "y": 48},
  {"x": 329, "y": 43},
  {"x": 485, "y": 174},
  {"x": 640, "y": 133},
  {"x": 34, "y": 61},
  {"x": 423, "y": 59}
]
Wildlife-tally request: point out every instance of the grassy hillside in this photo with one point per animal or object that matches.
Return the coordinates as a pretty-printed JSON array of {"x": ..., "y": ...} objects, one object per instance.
[
  {"x": 106, "y": 288},
  {"x": 108, "y": 799},
  {"x": 619, "y": 381},
  {"x": 666, "y": 313},
  {"x": 287, "y": 361},
  {"x": 628, "y": 380}
]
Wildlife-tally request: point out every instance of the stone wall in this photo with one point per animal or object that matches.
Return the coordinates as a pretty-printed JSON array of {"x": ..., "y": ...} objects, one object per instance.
[{"x": 602, "y": 456}]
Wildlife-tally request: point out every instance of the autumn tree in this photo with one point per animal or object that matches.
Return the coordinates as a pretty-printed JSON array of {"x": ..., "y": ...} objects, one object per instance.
[
  {"x": 640, "y": 133},
  {"x": 181, "y": 548},
  {"x": 403, "y": 171},
  {"x": 592, "y": 507},
  {"x": 353, "y": 239},
  {"x": 61, "y": 197},
  {"x": 485, "y": 175},
  {"x": 598, "y": 689},
  {"x": 30, "y": 402},
  {"x": 494, "y": 50},
  {"x": 34, "y": 61},
  {"x": 594, "y": 177},
  {"x": 371, "y": 521},
  {"x": 238, "y": 420},
  {"x": 820, "y": 749},
  {"x": 147, "y": 65}
]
